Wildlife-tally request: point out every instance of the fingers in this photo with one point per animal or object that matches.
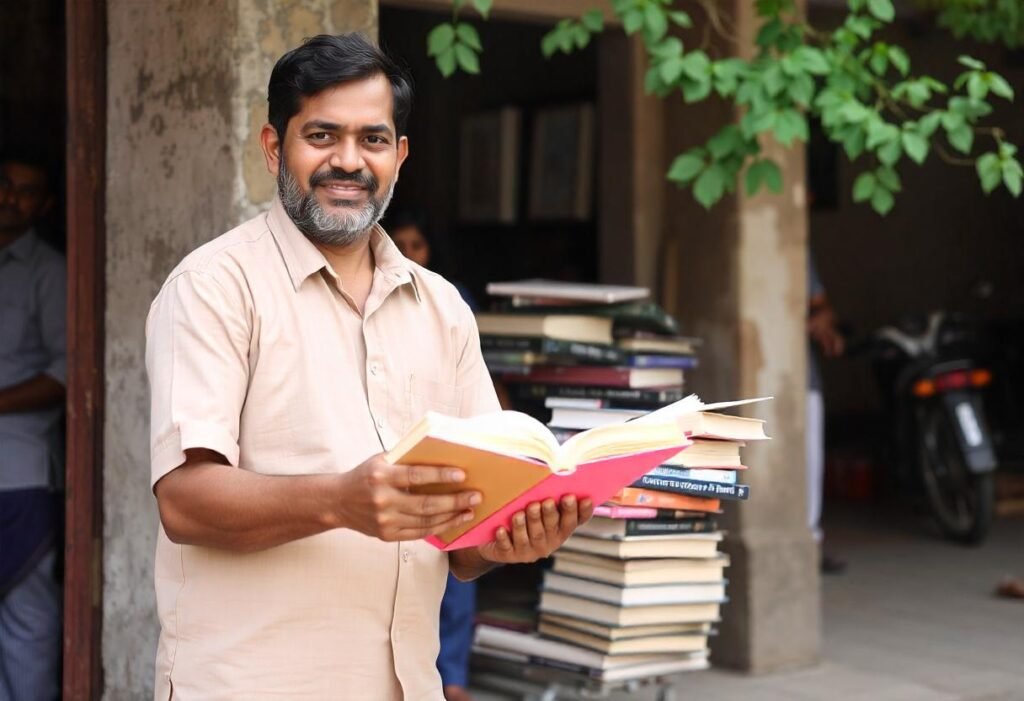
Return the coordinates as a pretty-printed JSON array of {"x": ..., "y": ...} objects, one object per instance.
[
  {"x": 535, "y": 526},
  {"x": 431, "y": 504},
  {"x": 433, "y": 525},
  {"x": 405, "y": 476},
  {"x": 550, "y": 517},
  {"x": 570, "y": 518}
]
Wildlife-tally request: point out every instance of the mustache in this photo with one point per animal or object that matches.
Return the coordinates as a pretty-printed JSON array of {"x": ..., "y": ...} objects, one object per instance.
[{"x": 337, "y": 175}]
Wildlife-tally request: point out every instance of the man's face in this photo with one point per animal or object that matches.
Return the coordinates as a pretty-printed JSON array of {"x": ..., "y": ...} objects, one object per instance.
[
  {"x": 337, "y": 167},
  {"x": 412, "y": 244},
  {"x": 24, "y": 197}
]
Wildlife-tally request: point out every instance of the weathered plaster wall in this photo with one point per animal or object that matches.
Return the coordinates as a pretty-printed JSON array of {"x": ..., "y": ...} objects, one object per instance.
[{"x": 186, "y": 98}]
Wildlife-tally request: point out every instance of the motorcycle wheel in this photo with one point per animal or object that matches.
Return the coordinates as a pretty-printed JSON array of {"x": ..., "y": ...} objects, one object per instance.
[{"x": 962, "y": 502}]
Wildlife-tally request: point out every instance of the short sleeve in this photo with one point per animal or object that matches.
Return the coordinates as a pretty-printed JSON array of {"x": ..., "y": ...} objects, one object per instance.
[
  {"x": 197, "y": 358},
  {"x": 52, "y": 291},
  {"x": 478, "y": 395}
]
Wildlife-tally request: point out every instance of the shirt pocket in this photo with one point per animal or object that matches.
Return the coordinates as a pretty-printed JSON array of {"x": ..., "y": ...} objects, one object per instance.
[
  {"x": 427, "y": 395},
  {"x": 13, "y": 322}
]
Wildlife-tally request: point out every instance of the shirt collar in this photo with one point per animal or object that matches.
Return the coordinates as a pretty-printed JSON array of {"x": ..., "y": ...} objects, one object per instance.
[
  {"x": 303, "y": 258},
  {"x": 21, "y": 248}
]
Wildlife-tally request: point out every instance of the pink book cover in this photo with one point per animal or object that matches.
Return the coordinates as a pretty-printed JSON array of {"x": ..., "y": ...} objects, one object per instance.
[{"x": 597, "y": 480}]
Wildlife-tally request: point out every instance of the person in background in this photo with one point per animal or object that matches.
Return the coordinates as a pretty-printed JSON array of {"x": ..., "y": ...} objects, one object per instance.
[
  {"x": 32, "y": 376},
  {"x": 458, "y": 605},
  {"x": 825, "y": 339}
]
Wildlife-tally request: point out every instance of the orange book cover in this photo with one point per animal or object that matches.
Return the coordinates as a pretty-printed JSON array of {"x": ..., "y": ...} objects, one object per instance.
[{"x": 632, "y": 496}]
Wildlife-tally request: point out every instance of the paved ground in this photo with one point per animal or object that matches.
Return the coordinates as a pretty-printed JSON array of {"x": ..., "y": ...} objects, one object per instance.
[{"x": 912, "y": 618}]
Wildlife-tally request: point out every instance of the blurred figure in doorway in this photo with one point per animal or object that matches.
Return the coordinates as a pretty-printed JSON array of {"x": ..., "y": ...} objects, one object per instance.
[
  {"x": 824, "y": 339},
  {"x": 32, "y": 376}
]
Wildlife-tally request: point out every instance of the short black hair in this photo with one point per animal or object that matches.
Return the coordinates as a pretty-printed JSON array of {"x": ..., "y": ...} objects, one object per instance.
[
  {"x": 326, "y": 61},
  {"x": 32, "y": 159}
]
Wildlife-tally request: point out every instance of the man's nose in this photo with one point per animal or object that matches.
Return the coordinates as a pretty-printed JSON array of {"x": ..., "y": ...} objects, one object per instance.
[{"x": 347, "y": 156}]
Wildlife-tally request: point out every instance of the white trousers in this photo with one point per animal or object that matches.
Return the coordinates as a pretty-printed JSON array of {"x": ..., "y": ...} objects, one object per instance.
[
  {"x": 815, "y": 435},
  {"x": 30, "y": 636}
]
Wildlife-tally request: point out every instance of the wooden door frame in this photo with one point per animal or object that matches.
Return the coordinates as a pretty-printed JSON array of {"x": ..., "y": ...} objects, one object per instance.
[{"x": 86, "y": 77}]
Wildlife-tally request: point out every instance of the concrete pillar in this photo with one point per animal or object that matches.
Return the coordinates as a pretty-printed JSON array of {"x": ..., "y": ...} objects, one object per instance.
[
  {"x": 186, "y": 98},
  {"x": 738, "y": 280}
]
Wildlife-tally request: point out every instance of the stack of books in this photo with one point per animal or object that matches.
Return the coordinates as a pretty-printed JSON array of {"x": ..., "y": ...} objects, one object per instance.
[
  {"x": 601, "y": 345},
  {"x": 636, "y": 592}
]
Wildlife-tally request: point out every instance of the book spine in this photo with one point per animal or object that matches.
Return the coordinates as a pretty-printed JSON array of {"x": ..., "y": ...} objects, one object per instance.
[
  {"x": 618, "y": 396},
  {"x": 622, "y": 512},
  {"x": 591, "y": 672},
  {"x": 696, "y": 474},
  {"x": 711, "y": 490},
  {"x": 683, "y": 362},
  {"x": 663, "y": 527},
  {"x": 552, "y": 348}
]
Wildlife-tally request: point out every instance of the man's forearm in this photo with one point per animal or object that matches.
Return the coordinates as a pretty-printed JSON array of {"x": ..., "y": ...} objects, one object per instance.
[
  {"x": 40, "y": 392},
  {"x": 468, "y": 564},
  {"x": 213, "y": 505}
]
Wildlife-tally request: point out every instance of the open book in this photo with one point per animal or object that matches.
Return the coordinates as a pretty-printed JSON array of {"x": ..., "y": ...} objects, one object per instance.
[{"x": 514, "y": 460}]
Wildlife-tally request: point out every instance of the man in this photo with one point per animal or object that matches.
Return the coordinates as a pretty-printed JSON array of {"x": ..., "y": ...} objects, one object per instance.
[
  {"x": 825, "y": 337},
  {"x": 283, "y": 357},
  {"x": 32, "y": 375}
]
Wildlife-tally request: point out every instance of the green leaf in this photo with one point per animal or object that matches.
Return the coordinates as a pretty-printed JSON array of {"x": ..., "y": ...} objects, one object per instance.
[
  {"x": 774, "y": 80},
  {"x": 710, "y": 186},
  {"x": 990, "y": 172},
  {"x": 656, "y": 21},
  {"x": 483, "y": 7},
  {"x": 593, "y": 20},
  {"x": 801, "y": 89},
  {"x": 632, "y": 20},
  {"x": 467, "y": 59},
  {"x": 977, "y": 88},
  {"x": 727, "y": 140},
  {"x": 854, "y": 112},
  {"x": 697, "y": 65},
  {"x": 853, "y": 142},
  {"x": 879, "y": 62},
  {"x": 929, "y": 123},
  {"x": 888, "y": 178},
  {"x": 440, "y": 39},
  {"x": 446, "y": 61},
  {"x": 961, "y": 138},
  {"x": 890, "y": 153},
  {"x": 880, "y": 132},
  {"x": 467, "y": 35},
  {"x": 580, "y": 35},
  {"x": 812, "y": 60},
  {"x": 680, "y": 19},
  {"x": 549, "y": 44},
  {"x": 861, "y": 26},
  {"x": 671, "y": 69},
  {"x": 671, "y": 46},
  {"x": 864, "y": 187},
  {"x": 971, "y": 63},
  {"x": 915, "y": 145},
  {"x": 882, "y": 9},
  {"x": 765, "y": 172},
  {"x": 686, "y": 167},
  {"x": 1007, "y": 150},
  {"x": 899, "y": 59},
  {"x": 1012, "y": 179},
  {"x": 1000, "y": 87},
  {"x": 696, "y": 90},
  {"x": 791, "y": 125},
  {"x": 882, "y": 201}
]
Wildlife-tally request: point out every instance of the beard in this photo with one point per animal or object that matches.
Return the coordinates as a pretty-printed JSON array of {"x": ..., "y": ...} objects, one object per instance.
[{"x": 341, "y": 229}]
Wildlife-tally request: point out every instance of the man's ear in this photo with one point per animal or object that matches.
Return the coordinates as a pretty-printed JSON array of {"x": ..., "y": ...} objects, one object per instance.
[
  {"x": 271, "y": 145},
  {"x": 403, "y": 153}
]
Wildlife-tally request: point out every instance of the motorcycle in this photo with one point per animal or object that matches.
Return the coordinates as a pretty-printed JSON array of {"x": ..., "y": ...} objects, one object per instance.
[{"x": 933, "y": 380}]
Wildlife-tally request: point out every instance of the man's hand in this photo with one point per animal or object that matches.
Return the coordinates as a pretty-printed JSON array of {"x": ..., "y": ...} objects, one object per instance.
[
  {"x": 538, "y": 531},
  {"x": 378, "y": 503}
]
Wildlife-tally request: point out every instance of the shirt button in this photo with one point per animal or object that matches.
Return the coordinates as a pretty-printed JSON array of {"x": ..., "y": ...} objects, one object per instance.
[
  {"x": 380, "y": 423},
  {"x": 405, "y": 556},
  {"x": 374, "y": 367}
]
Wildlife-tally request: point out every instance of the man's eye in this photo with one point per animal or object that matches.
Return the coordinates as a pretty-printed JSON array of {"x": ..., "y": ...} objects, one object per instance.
[
  {"x": 374, "y": 139},
  {"x": 319, "y": 136}
]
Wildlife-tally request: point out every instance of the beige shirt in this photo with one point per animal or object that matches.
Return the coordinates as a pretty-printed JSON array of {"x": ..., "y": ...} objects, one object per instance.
[{"x": 255, "y": 351}]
